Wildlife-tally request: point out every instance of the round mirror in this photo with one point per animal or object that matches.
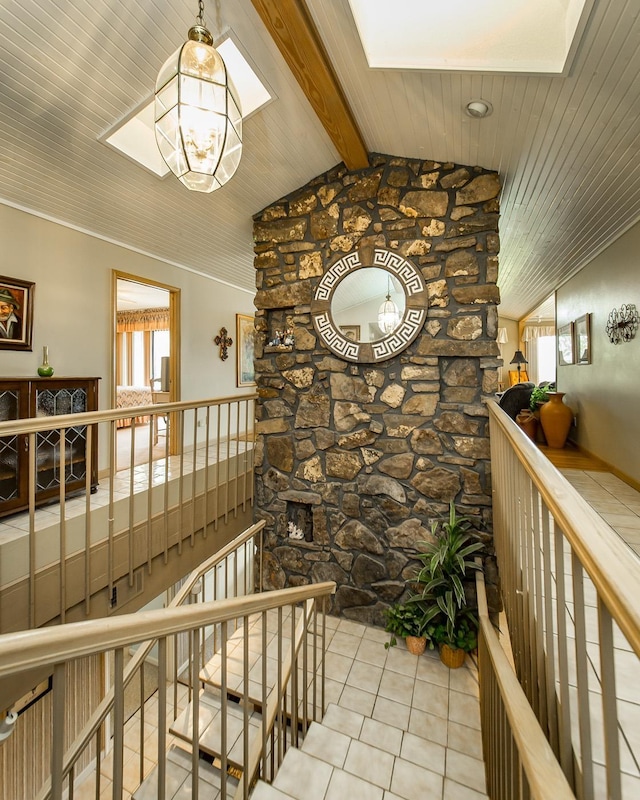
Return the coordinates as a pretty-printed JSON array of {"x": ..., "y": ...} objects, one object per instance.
[{"x": 368, "y": 304}]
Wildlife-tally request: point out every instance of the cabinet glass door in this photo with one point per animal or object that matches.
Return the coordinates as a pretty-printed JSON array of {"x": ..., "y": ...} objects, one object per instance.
[
  {"x": 51, "y": 402},
  {"x": 9, "y": 447}
]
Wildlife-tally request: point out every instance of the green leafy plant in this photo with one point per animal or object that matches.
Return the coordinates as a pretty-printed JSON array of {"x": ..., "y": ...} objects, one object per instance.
[
  {"x": 446, "y": 562},
  {"x": 465, "y": 634},
  {"x": 405, "y": 619},
  {"x": 540, "y": 394}
]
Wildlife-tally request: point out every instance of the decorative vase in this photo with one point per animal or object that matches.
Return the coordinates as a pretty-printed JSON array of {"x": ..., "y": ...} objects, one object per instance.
[
  {"x": 452, "y": 657},
  {"x": 556, "y": 419},
  {"x": 416, "y": 644},
  {"x": 45, "y": 370}
]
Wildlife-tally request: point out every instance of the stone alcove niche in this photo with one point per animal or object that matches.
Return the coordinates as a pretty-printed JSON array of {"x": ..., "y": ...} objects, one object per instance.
[
  {"x": 301, "y": 516},
  {"x": 413, "y": 313}
]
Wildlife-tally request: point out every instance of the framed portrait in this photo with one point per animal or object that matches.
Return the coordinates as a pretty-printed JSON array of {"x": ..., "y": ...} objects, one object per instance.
[
  {"x": 565, "y": 345},
  {"x": 245, "y": 338},
  {"x": 351, "y": 332},
  {"x": 582, "y": 339},
  {"x": 16, "y": 313}
]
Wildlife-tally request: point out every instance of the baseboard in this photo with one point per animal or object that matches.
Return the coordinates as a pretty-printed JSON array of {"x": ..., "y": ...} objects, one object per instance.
[{"x": 617, "y": 472}]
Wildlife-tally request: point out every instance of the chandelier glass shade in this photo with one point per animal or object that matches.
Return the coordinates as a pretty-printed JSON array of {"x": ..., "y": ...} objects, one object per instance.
[
  {"x": 198, "y": 121},
  {"x": 388, "y": 315}
]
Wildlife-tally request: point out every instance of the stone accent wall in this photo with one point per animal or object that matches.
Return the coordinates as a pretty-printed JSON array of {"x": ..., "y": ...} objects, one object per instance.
[{"x": 375, "y": 452}]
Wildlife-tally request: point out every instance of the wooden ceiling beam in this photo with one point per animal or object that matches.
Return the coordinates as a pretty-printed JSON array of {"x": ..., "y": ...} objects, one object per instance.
[{"x": 297, "y": 38}]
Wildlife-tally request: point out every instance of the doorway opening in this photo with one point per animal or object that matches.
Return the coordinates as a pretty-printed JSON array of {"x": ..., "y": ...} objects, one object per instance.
[{"x": 145, "y": 363}]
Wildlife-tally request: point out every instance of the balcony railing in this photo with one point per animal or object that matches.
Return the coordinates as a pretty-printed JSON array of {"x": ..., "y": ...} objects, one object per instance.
[
  {"x": 287, "y": 701},
  {"x": 570, "y": 591},
  {"x": 88, "y": 555}
]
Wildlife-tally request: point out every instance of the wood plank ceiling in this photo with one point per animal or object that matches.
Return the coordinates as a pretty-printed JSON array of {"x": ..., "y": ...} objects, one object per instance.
[{"x": 567, "y": 148}]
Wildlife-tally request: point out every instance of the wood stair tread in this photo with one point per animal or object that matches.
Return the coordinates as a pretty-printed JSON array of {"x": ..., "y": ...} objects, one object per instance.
[
  {"x": 210, "y": 727},
  {"x": 178, "y": 780},
  {"x": 211, "y": 673}
]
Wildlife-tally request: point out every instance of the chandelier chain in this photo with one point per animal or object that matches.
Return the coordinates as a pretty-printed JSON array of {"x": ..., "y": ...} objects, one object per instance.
[{"x": 200, "y": 16}]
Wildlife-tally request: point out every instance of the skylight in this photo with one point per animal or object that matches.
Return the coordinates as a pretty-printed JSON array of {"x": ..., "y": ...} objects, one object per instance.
[
  {"x": 460, "y": 35},
  {"x": 135, "y": 138}
]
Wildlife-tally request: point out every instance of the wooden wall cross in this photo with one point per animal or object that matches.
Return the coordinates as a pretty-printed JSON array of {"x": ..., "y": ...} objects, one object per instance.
[{"x": 224, "y": 342}]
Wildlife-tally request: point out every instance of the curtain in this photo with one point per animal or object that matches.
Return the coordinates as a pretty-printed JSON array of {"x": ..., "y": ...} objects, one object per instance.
[
  {"x": 142, "y": 319},
  {"x": 530, "y": 332}
]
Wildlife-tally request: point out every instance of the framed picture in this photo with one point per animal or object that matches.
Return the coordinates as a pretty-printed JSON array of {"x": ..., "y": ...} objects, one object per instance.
[
  {"x": 565, "y": 345},
  {"x": 351, "y": 332},
  {"x": 582, "y": 339},
  {"x": 245, "y": 338},
  {"x": 16, "y": 313}
]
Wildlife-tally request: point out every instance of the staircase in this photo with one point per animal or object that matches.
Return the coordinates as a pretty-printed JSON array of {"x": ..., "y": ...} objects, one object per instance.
[
  {"x": 230, "y": 713},
  {"x": 348, "y": 754}
]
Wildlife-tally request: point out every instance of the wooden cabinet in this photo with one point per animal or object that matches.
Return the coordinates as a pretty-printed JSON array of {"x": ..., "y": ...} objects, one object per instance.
[{"x": 24, "y": 398}]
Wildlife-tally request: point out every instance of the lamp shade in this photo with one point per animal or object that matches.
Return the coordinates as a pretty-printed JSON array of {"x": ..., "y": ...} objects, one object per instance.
[
  {"x": 518, "y": 358},
  {"x": 198, "y": 122},
  {"x": 502, "y": 336}
]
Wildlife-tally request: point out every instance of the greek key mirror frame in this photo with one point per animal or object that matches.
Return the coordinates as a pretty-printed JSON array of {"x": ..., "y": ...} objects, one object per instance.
[{"x": 410, "y": 325}]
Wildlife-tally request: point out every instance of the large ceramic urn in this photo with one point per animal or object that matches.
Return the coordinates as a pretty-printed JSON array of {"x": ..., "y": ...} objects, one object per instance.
[{"x": 555, "y": 418}]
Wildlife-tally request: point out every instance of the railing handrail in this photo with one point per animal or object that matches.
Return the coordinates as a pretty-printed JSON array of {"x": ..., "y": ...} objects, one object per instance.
[
  {"x": 217, "y": 558},
  {"x": 106, "y": 704},
  {"x": 544, "y": 774},
  {"x": 273, "y": 701},
  {"x": 46, "y": 646},
  {"x": 35, "y": 425},
  {"x": 602, "y": 553}
]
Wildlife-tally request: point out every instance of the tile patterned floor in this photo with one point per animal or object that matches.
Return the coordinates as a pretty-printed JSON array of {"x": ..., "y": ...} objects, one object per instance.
[
  {"x": 416, "y": 725},
  {"x": 433, "y": 712},
  {"x": 615, "y": 501}
]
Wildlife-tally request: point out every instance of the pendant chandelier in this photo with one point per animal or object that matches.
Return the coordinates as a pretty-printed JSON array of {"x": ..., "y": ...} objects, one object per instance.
[
  {"x": 388, "y": 314},
  {"x": 198, "y": 120}
]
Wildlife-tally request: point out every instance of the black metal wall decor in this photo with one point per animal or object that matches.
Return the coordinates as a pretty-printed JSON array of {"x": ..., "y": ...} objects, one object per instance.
[
  {"x": 622, "y": 324},
  {"x": 224, "y": 342}
]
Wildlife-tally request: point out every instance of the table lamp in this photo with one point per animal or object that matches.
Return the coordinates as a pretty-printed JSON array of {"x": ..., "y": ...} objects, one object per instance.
[{"x": 518, "y": 359}]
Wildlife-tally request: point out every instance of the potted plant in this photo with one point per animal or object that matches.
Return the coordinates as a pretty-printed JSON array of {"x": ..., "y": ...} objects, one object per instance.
[
  {"x": 456, "y": 641},
  {"x": 406, "y": 620},
  {"x": 447, "y": 561},
  {"x": 540, "y": 395}
]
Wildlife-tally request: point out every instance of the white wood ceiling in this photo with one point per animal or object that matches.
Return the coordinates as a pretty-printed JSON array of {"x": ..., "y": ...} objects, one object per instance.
[{"x": 568, "y": 149}]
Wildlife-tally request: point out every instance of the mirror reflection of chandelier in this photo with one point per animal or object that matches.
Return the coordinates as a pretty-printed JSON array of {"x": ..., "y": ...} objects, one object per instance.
[{"x": 388, "y": 314}]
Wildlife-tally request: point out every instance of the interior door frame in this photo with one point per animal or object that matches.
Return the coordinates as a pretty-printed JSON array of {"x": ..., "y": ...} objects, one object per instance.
[{"x": 174, "y": 340}]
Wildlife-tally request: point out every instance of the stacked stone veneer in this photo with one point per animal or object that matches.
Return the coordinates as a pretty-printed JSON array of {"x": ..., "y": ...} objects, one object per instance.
[{"x": 376, "y": 451}]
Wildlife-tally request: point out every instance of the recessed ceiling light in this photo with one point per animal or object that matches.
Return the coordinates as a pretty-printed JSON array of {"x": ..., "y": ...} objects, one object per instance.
[{"x": 479, "y": 108}]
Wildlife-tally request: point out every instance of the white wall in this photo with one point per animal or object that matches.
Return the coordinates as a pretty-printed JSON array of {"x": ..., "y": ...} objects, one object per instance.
[
  {"x": 605, "y": 393},
  {"x": 72, "y": 313}
]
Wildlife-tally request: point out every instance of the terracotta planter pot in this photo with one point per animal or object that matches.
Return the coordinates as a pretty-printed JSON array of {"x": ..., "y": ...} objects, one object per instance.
[
  {"x": 452, "y": 657},
  {"x": 416, "y": 644},
  {"x": 556, "y": 419},
  {"x": 528, "y": 422}
]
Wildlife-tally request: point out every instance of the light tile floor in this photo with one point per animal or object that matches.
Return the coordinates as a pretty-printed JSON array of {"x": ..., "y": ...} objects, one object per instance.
[
  {"x": 614, "y": 500},
  {"x": 433, "y": 711},
  {"x": 393, "y": 703}
]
